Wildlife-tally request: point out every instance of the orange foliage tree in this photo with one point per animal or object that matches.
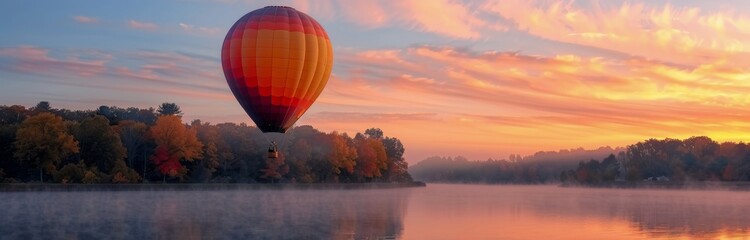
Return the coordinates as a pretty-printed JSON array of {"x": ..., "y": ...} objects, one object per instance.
[
  {"x": 342, "y": 156},
  {"x": 371, "y": 157},
  {"x": 178, "y": 141}
]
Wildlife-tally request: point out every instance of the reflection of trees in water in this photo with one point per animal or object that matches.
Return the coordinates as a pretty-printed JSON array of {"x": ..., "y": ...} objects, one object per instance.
[
  {"x": 326, "y": 214},
  {"x": 683, "y": 215},
  {"x": 260, "y": 214},
  {"x": 658, "y": 213},
  {"x": 524, "y": 210}
]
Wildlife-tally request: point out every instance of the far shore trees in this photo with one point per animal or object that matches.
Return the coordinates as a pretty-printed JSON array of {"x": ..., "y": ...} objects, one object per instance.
[{"x": 694, "y": 159}]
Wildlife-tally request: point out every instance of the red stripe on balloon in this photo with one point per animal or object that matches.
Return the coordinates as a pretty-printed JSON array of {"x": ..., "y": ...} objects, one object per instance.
[{"x": 289, "y": 22}]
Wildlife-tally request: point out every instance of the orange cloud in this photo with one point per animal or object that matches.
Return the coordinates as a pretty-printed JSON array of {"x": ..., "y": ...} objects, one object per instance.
[
  {"x": 668, "y": 33},
  {"x": 449, "y": 18},
  {"x": 497, "y": 103}
]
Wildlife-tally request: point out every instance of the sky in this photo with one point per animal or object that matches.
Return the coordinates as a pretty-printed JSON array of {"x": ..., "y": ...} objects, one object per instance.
[{"x": 481, "y": 79}]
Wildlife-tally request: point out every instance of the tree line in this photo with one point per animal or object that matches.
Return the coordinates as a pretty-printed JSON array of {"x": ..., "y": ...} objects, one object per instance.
[
  {"x": 541, "y": 167},
  {"x": 693, "y": 159},
  {"x": 130, "y": 145},
  {"x": 697, "y": 158}
]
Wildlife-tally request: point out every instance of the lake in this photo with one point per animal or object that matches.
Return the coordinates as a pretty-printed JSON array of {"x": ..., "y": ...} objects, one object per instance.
[{"x": 438, "y": 211}]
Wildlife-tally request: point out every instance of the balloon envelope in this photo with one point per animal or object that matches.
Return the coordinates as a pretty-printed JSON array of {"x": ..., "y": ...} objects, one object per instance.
[{"x": 277, "y": 61}]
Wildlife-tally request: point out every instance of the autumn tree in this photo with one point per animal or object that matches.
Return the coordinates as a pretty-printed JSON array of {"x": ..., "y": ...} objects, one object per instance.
[
  {"x": 342, "y": 155},
  {"x": 169, "y": 131},
  {"x": 43, "y": 141},
  {"x": 99, "y": 143},
  {"x": 371, "y": 157},
  {"x": 167, "y": 164},
  {"x": 179, "y": 141},
  {"x": 396, "y": 165}
]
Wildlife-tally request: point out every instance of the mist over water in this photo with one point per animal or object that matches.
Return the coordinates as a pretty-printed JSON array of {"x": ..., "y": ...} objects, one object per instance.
[
  {"x": 437, "y": 211},
  {"x": 249, "y": 214}
]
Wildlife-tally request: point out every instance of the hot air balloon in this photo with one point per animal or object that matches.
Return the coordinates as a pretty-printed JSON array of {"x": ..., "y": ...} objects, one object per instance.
[{"x": 277, "y": 61}]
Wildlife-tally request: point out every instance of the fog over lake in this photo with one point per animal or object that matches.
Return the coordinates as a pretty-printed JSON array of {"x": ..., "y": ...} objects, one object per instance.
[{"x": 438, "y": 211}]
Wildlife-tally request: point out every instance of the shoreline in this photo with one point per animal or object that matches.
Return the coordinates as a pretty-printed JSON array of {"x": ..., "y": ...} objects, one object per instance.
[
  {"x": 688, "y": 185},
  {"x": 59, "y": 187}
]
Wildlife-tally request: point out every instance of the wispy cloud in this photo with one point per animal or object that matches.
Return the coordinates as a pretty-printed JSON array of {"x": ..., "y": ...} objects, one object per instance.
[
  {"x": 168, "y": 69},
  {"x": 669, "y": 33},
  {"x": 448, "y": 18},
  {"x": 370, "y": 117},
  {"x": 142, "y": 25},
  {"x": 85, "y": 19},
  {"x": 36, "y": 60},
  {"x": 203, "y": 31},
  {"x": 479, "y": 97},
  {"x": 196, "y": 82}
]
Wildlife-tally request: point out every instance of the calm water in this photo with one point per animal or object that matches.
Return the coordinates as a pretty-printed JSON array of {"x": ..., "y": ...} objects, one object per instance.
[{"x": 435, "y": 212}]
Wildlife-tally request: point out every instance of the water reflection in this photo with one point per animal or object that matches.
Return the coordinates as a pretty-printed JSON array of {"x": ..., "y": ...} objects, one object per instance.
[
  {"x": 549, "y": 212},
  {"x": 255, "y": 214},
  {"x": 435, "y": 212}
]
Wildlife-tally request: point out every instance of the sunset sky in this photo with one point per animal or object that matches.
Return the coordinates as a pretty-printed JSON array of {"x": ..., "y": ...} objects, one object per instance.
[{"x": 474, "y": 78}]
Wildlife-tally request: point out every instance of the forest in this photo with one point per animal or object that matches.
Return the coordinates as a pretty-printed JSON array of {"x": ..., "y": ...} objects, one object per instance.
[
  {"x": 134, "y": 145},
  {"x": 694, "y": 159},
  {"x": 541, "y": 167}
]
